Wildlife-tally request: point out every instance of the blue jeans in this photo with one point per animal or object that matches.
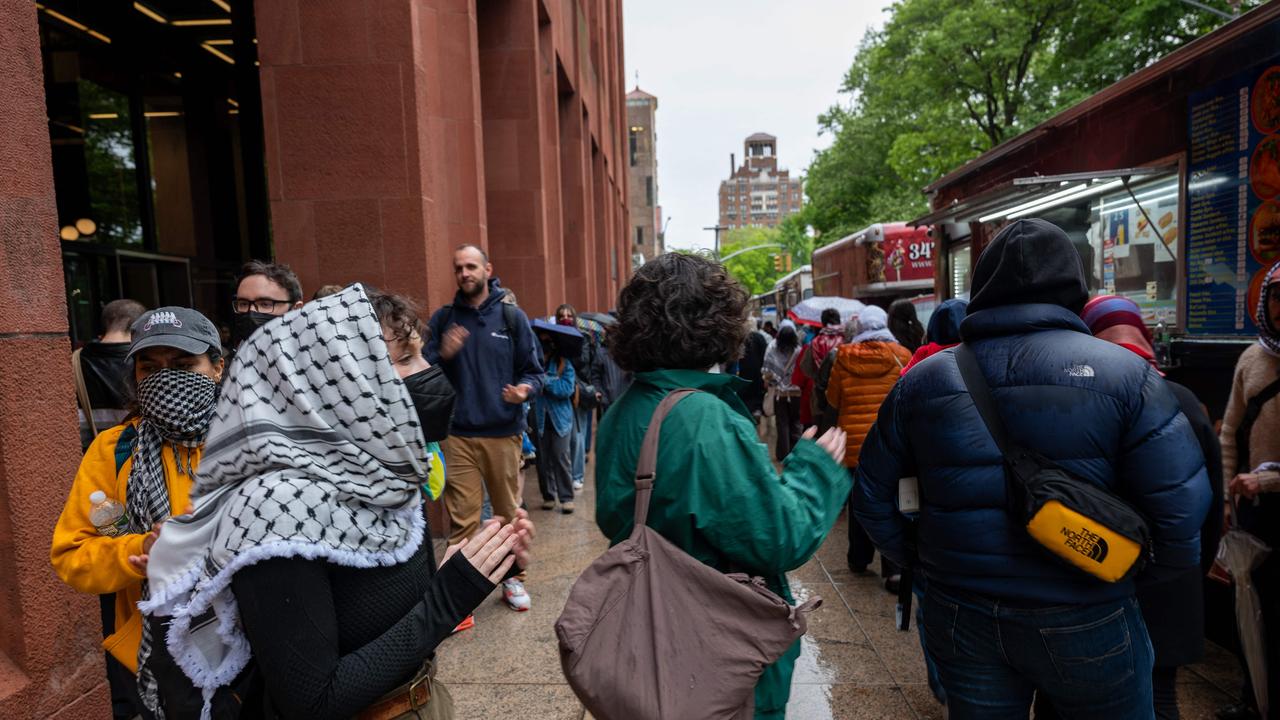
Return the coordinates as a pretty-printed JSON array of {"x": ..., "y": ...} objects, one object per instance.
[
  {"x": 579, "y": 438},
  {"x": 1090, "y": 661}
]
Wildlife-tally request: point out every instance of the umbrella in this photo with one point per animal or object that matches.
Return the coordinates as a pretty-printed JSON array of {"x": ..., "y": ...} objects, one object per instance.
[
  {"x": 809, "y": 312},
  {"x": 590, "y": 329},
  {"x": 1241, "y": 553},
  {"x": 568, "y": 340},
  {"x": 603, "y": 318}
]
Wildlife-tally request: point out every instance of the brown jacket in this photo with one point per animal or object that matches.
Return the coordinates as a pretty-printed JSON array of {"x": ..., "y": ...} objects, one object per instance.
[
  {"x": 863, "y": 373},
  {"x": 1255, "y": 370}
]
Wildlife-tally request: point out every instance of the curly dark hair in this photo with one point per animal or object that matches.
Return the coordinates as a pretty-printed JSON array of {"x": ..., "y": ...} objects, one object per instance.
[
  {"x": 396, "y": 312},
  {"x": 679, "y": 312}
]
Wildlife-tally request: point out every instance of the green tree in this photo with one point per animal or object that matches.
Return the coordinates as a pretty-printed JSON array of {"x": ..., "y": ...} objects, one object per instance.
[
  {"x": 944, "y": 81},
  {"x": 753, "y": 269}
]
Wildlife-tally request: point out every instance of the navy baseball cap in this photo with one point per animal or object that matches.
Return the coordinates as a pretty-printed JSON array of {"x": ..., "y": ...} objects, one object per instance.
[{"x": 175, "y": 327}]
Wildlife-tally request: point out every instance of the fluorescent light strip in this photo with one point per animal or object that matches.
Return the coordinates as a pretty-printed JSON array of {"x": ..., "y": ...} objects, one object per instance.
[
  {"x": 1083, "y": 193},
  {"x": 1025, "y": 205},
  {"x": 74, "y": 23},
  {"x": 154, "y": 15},
  {"x": 162, "y": 114},
  {"x": 222, "y": 4},
  {"x": 219, "y": 54},
  {"x": 233, "y": 102},
  {"x": 1104, "y": 210},
  {"x": 104, "y": 116},
  {"x": 200, "y": 22},
  {"x": 219, "y": 41}
]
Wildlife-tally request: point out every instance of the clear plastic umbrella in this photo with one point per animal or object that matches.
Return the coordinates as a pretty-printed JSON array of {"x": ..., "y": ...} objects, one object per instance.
[
  {"x": 1240, "y": 554},
  {"x": 809, "y": 311}
]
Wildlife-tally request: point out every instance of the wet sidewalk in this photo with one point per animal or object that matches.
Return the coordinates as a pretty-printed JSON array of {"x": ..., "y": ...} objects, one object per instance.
[{"x": 853, "y": 663}]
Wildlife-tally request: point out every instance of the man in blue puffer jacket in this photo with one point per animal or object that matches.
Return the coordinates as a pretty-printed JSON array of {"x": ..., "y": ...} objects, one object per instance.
[{"x": 1003, "y": 617}]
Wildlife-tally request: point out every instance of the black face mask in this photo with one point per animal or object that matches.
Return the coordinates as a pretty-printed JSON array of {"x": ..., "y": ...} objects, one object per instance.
[
  {"x": 244, "y": 324},
  {"x": 433, "y": 398}
]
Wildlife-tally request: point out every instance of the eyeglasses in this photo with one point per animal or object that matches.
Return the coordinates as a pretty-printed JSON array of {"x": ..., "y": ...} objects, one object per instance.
[{"x": 262, "y": 305}]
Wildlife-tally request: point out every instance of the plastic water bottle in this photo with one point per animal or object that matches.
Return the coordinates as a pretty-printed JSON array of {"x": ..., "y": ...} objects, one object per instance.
[{"x": 107, "y": 515}]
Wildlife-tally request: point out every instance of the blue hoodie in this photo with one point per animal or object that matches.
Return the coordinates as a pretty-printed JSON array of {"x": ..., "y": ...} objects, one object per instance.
[{"x": 492, "y": 357}]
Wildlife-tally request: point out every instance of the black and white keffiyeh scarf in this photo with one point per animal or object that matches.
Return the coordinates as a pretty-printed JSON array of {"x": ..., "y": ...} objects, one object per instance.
[
  {"x": 1268, "y": 333},
  {"x": 176, "y": 407},
  {"x": 314, "y": 452}
]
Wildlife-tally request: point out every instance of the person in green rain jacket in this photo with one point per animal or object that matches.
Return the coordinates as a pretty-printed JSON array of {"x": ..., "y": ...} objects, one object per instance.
[{"x": 680, "y": 318}]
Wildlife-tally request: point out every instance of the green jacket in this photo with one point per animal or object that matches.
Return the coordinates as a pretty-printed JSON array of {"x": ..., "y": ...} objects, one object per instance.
[{"x": 717, "y": 495}]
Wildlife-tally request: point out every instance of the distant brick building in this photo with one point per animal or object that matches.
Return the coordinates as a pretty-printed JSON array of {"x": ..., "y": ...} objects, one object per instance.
[
  {"x": 646, "y": 213},
  {"x": 757, "y": 193}
]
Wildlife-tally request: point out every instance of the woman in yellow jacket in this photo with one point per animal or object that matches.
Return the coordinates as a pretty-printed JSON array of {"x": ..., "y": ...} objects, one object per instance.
[
  {"x": 862, "y": 375},
  {"x": 144, "y": 464}
]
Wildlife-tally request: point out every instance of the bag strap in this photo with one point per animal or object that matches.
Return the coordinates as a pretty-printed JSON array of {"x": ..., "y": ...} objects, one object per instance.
[
  {"x": 1252, "y": 409},
  {"x": 647, "y": 466},
  {"x": 980, "y": 392},
  {"x": 82, "y": 391}
]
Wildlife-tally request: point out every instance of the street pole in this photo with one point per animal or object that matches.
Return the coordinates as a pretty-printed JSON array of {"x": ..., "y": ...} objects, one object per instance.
[{"x": 717, "y": 228}]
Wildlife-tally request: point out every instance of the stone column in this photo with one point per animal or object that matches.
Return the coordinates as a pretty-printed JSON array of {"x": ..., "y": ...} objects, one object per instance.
[
  {"x": 50, "y": 636},
  {"x": 371, "y": 113}
]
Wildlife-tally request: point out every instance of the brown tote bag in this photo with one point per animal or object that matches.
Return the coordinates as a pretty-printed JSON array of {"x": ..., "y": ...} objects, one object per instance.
[{"x": 650, "y": 632}]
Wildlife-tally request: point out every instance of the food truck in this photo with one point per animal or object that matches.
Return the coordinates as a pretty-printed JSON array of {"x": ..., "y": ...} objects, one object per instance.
[
  {"x": 1167, "y": 183},
  {"x": 877, "y": 265}
]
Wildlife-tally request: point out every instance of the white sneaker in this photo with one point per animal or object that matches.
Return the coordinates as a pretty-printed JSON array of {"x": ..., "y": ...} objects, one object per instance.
[
  {"x": 514, "y": 593},
  {"x": 577, "y": 485}
]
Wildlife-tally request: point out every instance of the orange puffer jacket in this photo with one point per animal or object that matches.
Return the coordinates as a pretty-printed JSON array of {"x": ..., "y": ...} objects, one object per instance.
[{"x": 861, "y": 376}]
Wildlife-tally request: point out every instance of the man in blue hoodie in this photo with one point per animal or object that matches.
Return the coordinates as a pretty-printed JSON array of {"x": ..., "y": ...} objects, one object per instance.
[
  {"x": 1003, "y": 618},
  {"x": 491, "y": 357}
]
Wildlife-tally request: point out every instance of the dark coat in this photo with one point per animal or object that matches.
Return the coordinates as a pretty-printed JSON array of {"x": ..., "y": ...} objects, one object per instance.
[
  {"x": 1174, "y": 608},
  {"x": 1093, "y": 408},
  {"x": 750, "y": 368}
]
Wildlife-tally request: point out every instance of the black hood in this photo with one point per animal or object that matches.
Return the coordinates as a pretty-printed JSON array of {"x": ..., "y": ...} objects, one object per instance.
[
  {"x": 1030, "y": 261},
  {"x": 944, "y": 324}
]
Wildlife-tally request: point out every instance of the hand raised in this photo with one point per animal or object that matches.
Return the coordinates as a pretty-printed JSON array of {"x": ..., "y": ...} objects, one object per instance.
[
  {"x": 454, "y": 338},
  {"x": 489, "y": 551}
]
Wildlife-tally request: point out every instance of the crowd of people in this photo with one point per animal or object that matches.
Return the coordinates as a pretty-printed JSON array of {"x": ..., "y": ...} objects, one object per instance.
[{"x": 252, "y": 515}]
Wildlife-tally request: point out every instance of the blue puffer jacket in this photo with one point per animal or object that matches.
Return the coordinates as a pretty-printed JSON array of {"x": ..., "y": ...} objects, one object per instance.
[{"x": 1096, "y": 409}]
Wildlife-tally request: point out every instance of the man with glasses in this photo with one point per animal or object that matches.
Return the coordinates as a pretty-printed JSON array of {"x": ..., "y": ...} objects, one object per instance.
[{"x": 264, "y": 292}]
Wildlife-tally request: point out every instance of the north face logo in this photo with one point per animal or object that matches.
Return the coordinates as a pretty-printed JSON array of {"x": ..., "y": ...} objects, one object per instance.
[
  {"x": 162, "y": 318},
  {"x": 1089, "y": 544},
  {"x": 1080, "y": 370}
]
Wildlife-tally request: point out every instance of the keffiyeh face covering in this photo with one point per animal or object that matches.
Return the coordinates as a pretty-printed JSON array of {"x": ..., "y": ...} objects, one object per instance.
[
  {"x": 315, "y": 451},
  {"x": 175, "y": 405}
]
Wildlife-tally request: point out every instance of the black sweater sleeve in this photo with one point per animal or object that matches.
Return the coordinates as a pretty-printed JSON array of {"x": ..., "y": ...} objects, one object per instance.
[{"x": 288, "y": 614}]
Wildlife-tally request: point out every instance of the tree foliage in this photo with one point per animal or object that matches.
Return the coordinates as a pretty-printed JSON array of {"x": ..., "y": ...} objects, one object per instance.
[{"x": 944, "y": 81}]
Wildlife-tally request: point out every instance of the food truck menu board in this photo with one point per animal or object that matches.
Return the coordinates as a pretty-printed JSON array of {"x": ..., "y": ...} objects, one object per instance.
[{"x": 1233, "y": 196}]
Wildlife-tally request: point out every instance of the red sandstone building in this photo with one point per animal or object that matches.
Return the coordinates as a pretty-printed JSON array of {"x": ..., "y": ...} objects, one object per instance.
[
  {"x": 646, "y": 213},
  {"x": 148, "y": 148},
  {"x": 757, "y": 193}
]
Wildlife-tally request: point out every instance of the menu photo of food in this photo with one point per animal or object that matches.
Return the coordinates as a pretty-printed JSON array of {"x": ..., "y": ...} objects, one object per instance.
[
  {"x": 1264, "y": 168},
  {"x": 1255, "y": 292},
  {"x": 1265, "y": 102},
  {"x": 1264, "y": 233}
]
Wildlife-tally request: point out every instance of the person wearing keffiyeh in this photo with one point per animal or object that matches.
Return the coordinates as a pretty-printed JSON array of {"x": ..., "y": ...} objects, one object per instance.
[
  {"x": 306, "y": 550},
  {"x": 146, "y": 464}
]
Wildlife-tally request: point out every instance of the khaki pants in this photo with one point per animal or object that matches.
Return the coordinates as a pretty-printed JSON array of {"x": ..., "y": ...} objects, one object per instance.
[{"x": 475, "y": 463}]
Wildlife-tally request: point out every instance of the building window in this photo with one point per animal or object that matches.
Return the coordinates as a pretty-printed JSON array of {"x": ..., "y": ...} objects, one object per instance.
[
  {"x": 639, "y": 235},
  {"x": 634, "y": 143},
  {"x": 648, "y": 190},
  {"x": 961, "y": 257}
]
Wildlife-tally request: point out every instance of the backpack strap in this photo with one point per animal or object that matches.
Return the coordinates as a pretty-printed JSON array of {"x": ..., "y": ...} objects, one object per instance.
[
  {"x": 1252, "y": 409},
  {"x": 82, "y": 391},
  {"x": 124, "y": 445},
  {"x": 647, "y": 467}
]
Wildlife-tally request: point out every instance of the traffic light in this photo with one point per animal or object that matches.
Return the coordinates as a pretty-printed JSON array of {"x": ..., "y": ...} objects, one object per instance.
[
  {"x": 777, "y": 263},
  {"x": 788, "y": 262}
]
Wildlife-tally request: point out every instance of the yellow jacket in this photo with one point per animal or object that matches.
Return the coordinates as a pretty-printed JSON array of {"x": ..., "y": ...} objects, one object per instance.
[{"x": 92, "y": 563}]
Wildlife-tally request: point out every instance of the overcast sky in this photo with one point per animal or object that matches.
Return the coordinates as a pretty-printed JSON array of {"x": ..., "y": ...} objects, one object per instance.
[{"x": 724, "y": 69}]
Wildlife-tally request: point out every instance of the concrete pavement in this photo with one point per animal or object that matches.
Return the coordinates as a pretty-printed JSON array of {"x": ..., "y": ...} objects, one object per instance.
[{"x": 854, "y": 664}]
